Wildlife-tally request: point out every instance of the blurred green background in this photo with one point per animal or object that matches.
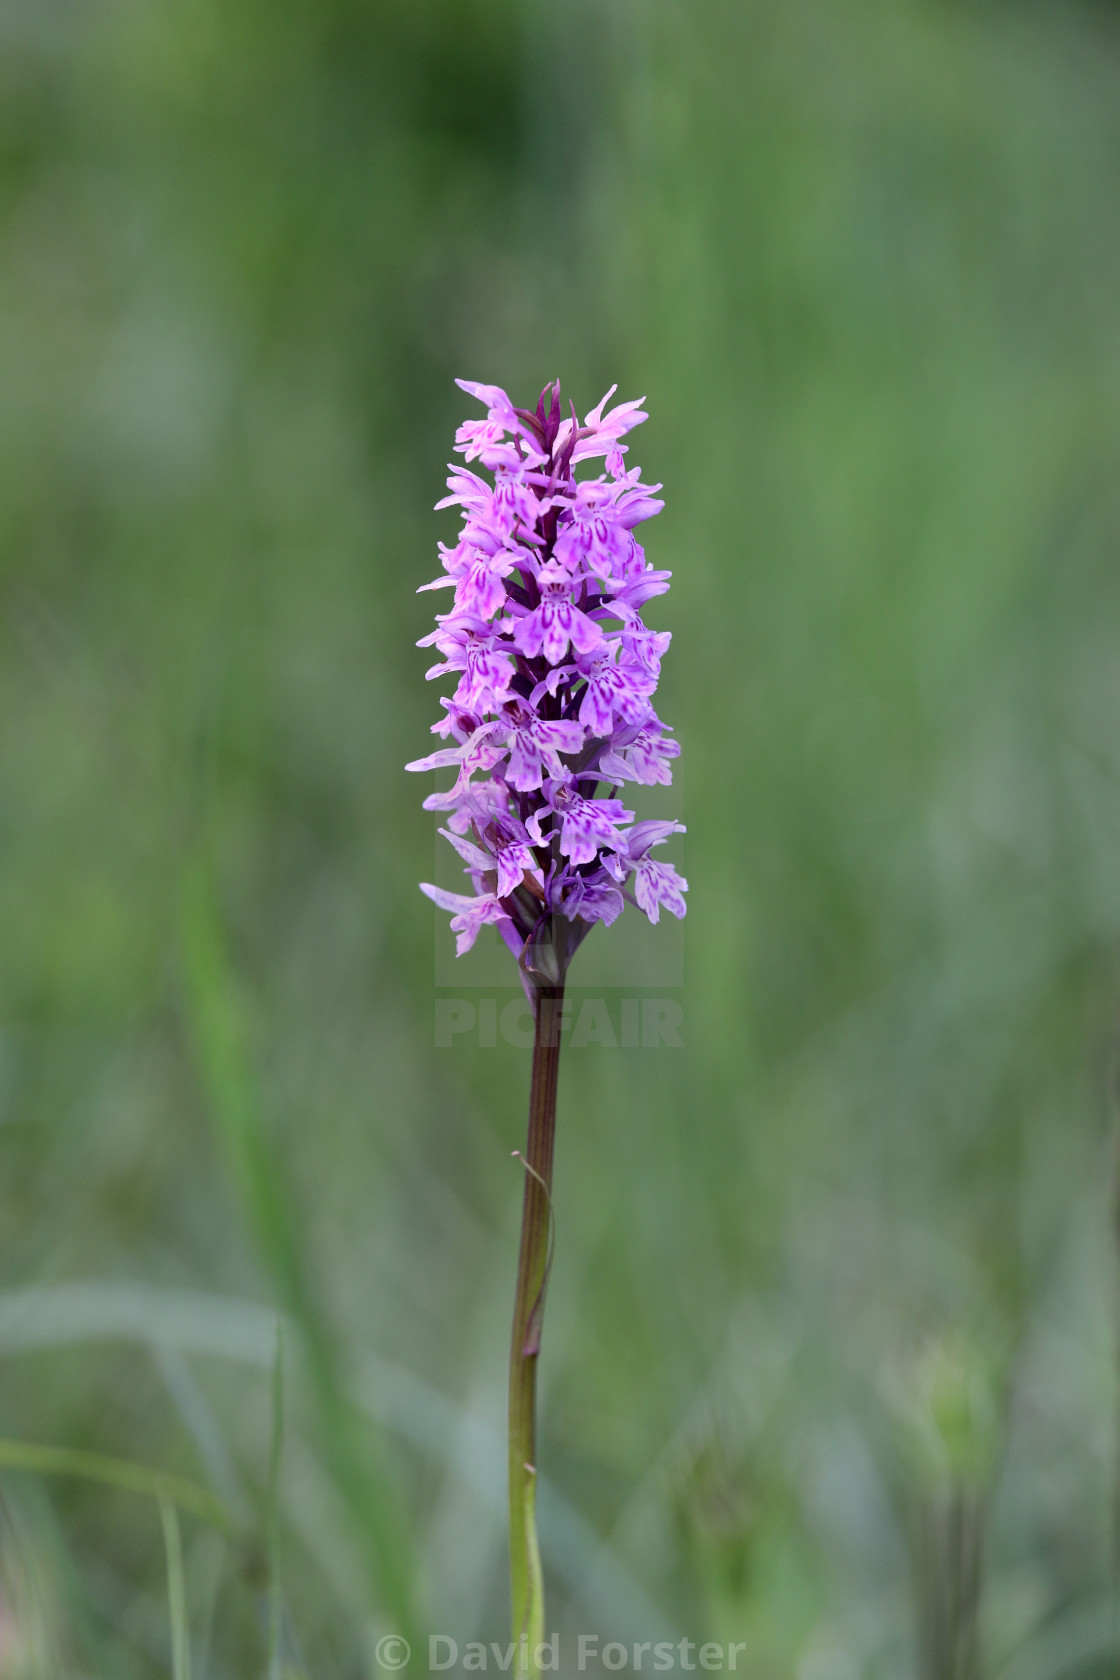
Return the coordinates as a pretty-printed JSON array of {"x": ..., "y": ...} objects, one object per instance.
[{"x": 829, "y": 1366}]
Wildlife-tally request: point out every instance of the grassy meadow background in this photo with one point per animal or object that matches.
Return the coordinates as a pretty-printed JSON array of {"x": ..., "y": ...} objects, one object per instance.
[{"x": 830, "y": 1360}]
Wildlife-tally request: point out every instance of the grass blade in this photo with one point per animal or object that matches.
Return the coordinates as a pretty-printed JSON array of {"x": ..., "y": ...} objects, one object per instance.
[
  {"x": 176, "y": 1593},
  {"x": 275, "y": 1601},
  {"x": 118, "y": 1473}
]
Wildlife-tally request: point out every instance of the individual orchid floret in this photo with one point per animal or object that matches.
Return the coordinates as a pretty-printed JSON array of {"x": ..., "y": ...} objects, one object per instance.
[
  {"x": 489, "y": 440},
  {"x": 600, "y": 433},
  {"x": 602, "y": 522},
  {"x": 614, "y": 690},
  {"x": 536, "y": 745},
  {"x": 648, "y": 647},
  {"x": 554, "y": 680},
  {"x": 471, "y": 647},
  {"x": 586, "y": 898},
  {"x": 533, "y": 744},
  {"x": 476, "y": 569},
  {"x": 640, "y": 755},
  {"x": 588, "y": 827},
  {"x": 655, "y": 883},
  {"x": 557, "y": 622},
  {"x": 511, "y": 856},
  {"x": 470, "y": 914}
]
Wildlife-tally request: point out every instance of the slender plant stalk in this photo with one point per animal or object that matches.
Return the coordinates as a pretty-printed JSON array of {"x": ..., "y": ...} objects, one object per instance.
[{"x": 532, "y": 1278}]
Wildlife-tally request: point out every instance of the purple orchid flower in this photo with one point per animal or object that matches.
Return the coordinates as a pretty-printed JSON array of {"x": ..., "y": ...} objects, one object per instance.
[{"x": 555, "y": 675}]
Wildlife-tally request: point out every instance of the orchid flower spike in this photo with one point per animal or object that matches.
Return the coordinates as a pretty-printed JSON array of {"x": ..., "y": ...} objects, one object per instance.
[{"x": 555, "y": 675}]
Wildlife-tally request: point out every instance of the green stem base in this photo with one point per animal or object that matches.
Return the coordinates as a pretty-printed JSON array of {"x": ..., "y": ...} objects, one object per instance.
[{"x": 526, "y": 1585}]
